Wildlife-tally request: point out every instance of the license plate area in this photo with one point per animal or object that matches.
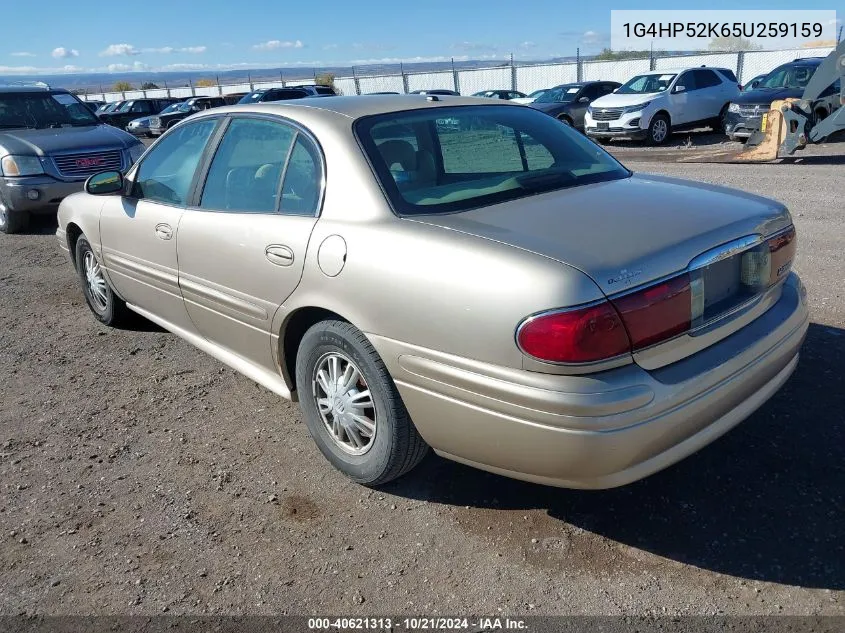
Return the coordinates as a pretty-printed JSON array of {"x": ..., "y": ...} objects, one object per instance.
[
  {"x": 724, "y": 286},
  {"x": 603, "y": 125}
]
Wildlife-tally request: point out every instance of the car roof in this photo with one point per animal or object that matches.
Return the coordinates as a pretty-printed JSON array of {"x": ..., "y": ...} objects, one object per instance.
[
  {"x": 680, "y": 69},
  {"x": 32, "y": 88},
  {"x": 358, "y": 106}
]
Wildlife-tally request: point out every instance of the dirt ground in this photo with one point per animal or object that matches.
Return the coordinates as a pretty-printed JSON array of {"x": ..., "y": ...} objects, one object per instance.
[{"x": 140, "y": 476}]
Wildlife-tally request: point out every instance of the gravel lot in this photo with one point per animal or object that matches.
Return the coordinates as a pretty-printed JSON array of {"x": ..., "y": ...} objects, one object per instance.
[{"x": 138, "y": 476}]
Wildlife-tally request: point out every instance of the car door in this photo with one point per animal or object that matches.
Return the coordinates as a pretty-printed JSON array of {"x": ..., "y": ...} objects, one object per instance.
[
  {"x": 242, "y": 244},
  {"x": 577, "y": 109},
  {"x": 682, "y": 107},
  {"x": 139, "y": 230},
  {"x": 709, "y": 94}
]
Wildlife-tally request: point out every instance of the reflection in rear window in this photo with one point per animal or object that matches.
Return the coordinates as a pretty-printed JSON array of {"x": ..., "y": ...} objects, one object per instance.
[{"x": 442, "y": 160}]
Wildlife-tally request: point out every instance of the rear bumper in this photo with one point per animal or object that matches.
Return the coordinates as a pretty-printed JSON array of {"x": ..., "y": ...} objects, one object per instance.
[
  {"x": 601, "y": 430},
  {"x": 17, "y": 191}
]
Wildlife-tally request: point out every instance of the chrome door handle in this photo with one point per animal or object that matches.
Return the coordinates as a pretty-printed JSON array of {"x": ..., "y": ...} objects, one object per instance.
[
  {"x": 164, "y": 231},
  {"x": 279, "y": 255}
]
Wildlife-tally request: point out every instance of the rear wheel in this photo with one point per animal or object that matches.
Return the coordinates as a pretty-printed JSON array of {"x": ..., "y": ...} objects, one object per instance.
[
  {"x": 12, "y": 221},
  {"x": 604, "y": 140},
  {"x": 352, "y": 407},
  {"x": 658, "y": 130},
  {"x": 565, "y": 120},
  {"x": 107, "y": 307}
]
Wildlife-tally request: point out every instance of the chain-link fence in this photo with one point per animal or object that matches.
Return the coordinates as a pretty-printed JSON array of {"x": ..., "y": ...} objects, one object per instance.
[{"x": 522, "y": 77}]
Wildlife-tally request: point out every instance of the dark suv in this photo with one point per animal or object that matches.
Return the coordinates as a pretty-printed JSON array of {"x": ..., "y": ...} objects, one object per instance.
[
  {"x": 787, "y": 81},
  {"x": 160, "y": 123},
  {"x": 263, "y": 95},
  {"x": 134, "y": 109},
  {"x": 50, "y": 142}
]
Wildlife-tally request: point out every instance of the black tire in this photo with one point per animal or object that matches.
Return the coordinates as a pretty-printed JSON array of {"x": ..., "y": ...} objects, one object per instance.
[
  {"x": 395, "y": 446},
  {"x": 12, "y": 221},
  {"x": 565, "y": 120},
  {"x": 111, "y": 310},
  {"x": 720, "y": 124},
  {"x": 603, "y": 140},
  {"x": 654, "y": 129}
]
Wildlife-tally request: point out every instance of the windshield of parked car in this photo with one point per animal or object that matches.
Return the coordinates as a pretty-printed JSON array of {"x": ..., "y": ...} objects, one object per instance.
[
  {"x": 127, "y": 105},
  {"x": 646, "y": 84},
  {"x": 537, "y": 93},
  {"x": 173, "y": 107},
  {"x": 448, "y": 159},
  {"x": 560, "y": 94},
  {"x": 787, "y": 77},
  {"x": 43, "y": 110},
  {"x": 182, "y": 107},
  {"x": 252, "y": 97}
]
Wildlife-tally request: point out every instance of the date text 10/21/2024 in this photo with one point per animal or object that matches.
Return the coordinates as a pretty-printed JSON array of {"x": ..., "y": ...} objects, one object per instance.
[{"x": 417, "y": 624}]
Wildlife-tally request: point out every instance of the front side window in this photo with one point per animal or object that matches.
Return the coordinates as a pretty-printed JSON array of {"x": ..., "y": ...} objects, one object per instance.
[
  {"x": 472, "y": 156},
  {"x": 140, "y": 107},
  {"x": 247, "y": 167},
  {"x": 796, "y": 77},
  {"x": 167, "y": 171},
  {"x": 687, "y": 80}
]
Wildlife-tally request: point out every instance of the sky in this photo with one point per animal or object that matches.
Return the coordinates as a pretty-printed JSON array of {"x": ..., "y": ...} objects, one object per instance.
[{"x": 55, "y": 36}]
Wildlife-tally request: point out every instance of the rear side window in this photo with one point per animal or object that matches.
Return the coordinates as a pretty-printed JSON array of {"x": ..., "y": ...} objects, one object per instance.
[
  {"x": 466, "y": 157},
  {"x": 302, "y": 180},
  {"x": 727, "y": 74},
  {"x": 325, "y": 90},
  {"x": 247, "y": 167},
  {"x": 706, "y": 79}
]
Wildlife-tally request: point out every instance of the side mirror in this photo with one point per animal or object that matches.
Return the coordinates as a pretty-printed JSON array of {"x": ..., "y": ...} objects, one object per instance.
[
  {"x": 584, "y": 100},
  {"x": 755, "y": 83},
  {"x": 105, "y": 182},
  {"x": 679, "y": 88}
]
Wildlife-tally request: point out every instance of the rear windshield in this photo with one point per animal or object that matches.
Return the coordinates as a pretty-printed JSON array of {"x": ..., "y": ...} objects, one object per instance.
[{"x": 448, "y": 159}]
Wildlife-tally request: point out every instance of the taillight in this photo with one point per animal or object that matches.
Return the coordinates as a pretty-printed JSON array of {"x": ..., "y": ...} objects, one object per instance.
[
  {"x": 580, "y": 335},
  {"x": 658, "y": 312}
]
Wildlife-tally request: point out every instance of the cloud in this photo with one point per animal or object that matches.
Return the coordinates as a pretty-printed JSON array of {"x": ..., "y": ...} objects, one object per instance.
[
  {"x": 527, "y": 45},
  {"x": 23, "y": 54},
  {"x": 475, "y": 46},
  {"x": 63, "y": 53},
  {"x": 594, "y": 38},
  {"x": 114, "y": 50},
  {"x": 276, "y": 44},
  {"x": 166, "y": 50}
]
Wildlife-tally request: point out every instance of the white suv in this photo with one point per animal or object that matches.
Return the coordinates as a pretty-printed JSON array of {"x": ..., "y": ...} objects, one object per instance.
[{"x": 648, "y": 106}]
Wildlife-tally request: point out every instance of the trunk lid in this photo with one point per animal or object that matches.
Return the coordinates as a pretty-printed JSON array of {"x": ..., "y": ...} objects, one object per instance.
[{"x": 623, "y": 233}]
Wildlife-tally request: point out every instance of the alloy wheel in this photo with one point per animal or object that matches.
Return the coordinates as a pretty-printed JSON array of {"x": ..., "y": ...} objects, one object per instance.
[
  {"x": 344, "y": 403},
  {"x": 97, "y": 288}
]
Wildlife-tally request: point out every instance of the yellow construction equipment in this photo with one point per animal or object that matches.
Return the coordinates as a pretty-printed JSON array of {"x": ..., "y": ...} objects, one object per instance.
[{"x": 789, "y": 124}]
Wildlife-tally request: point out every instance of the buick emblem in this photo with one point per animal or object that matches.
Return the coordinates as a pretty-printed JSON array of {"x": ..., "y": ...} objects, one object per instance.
[{"x": 89, "y": 162}]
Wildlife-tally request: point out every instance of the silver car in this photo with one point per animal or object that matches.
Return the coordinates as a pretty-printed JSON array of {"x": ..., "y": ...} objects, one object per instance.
[{"x": 501, "y": 290}]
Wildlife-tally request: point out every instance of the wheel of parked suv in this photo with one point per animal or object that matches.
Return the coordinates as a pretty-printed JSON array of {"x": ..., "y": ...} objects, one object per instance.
[
  {"x": 12, "y": 221},
  {"x": 106, "y": 306},
  {"x": 352, "y": 407},
  {"x": 565, "y": 119},
  {"x": 722, "y": 122},
  {"x": 658, "y": 130},
  {"x": 604, "y": 140}
]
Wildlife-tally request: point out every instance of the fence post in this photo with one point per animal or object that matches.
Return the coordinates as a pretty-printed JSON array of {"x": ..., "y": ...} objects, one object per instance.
[
  {"x": 652, "y": 61},
  {"x": 579, "y": 70},
  {"x": 456, "y": 79},
  {"x": 740, "y": 60},
  {"x": 405, "y": 79},
  {"x": 513, "y": 74},
  {"x": 282, "y": 77},
  {"x": 249, "y": 80},
  {"x": 356, "y": 81}
]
